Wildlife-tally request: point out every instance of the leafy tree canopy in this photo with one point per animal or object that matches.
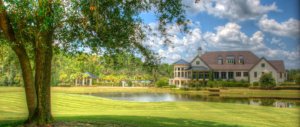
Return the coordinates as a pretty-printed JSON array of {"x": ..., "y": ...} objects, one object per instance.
[{"x": 104, "y": 27}]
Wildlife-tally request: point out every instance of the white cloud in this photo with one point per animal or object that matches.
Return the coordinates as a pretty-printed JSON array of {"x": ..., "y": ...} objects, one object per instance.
[
  {"x": 278, "y": 42},
  {"x": 230, "y": 37},
  {"x": 182, "y": 46},
  {"x": 225, "y": 38},
  {"x": 289, "y": 28},
  {"x": 234, "y": 10}
]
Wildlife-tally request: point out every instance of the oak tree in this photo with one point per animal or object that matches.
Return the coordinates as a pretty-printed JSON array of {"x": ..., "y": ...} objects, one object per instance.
[{"x": 33, "y": 29}]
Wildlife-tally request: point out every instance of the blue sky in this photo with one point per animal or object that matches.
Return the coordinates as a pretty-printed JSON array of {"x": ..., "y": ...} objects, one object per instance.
[{"x": 268, "y": 28}]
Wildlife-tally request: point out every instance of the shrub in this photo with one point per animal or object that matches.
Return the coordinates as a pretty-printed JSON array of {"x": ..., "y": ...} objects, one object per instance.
[
  {"x": 232, "y": 83},
  {"x": 162, "y": 82},
  {"x": 129, "y": 83},
  {"x": 297, "y": 79},
  {"x": 267, "y": 81},
  {"x": 211, "y": 83},
  {"x": 255, "y": 83},
  {"x": 288, "y": 84}
]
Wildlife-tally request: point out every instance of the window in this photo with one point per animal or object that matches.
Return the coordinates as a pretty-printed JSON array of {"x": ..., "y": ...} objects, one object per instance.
[
  {"x": 255, "y": 74},
  {"x": 200, "y": 75},
  {"x": 194, "y": 75},
  {"x": 230, "y": 59},
  {"x": 216, "y": 75},
  {"x": 263, "y": 65},
  {"x": 241, "y": 60},
  {"x": 238, "y": 74},
  {"x": 245, "y": 74},
  {"x": 182, "y": 74},
  {"x": 280, "y": 75},
  {"x": 197, "y": 62},
  {"x": 205, "y": 75},
  {"x": 223, "y": 75},
  {"x": 230, "y": 75},
  {"x": 220, "y": 60},
  {"x": 178, "y": 74},
  {"x": 178, "y": 69}
]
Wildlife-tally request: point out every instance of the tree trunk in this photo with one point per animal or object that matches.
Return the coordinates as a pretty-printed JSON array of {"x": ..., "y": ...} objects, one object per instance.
[
  {"x": 43, "y": 57},
  {"x": 28, "y": 82},
  {"x": 20, "y": 51}
]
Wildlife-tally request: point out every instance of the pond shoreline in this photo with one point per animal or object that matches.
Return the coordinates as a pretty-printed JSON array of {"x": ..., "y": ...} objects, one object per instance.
[{"x": 227, "y": 92}]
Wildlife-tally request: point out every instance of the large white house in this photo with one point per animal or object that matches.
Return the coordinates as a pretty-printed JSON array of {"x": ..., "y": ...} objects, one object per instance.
[{"x": 226, "y": 65}]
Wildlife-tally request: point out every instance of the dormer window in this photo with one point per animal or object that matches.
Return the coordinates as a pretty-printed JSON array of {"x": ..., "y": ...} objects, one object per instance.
[
  {"x": 220, "y": 60},
  {"x": 197, "y": 62},
  {"x": 263, "y": 65},
  {"x": 230, "y": 59},
  {"x": 241, "y": 60}
]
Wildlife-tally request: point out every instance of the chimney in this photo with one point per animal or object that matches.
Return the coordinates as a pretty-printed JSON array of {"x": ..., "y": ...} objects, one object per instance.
[{"x": 200, "y": 52}]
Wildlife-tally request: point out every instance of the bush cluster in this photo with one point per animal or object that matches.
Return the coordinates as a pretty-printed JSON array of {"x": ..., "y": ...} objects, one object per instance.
[
  {"x": 267, "y": 81},
  {"x": 297, "y": 80},
  {"x": 221, "y": 83},
  {"x": 289, "y": 84},
  {"x": 162, "y": 82}
]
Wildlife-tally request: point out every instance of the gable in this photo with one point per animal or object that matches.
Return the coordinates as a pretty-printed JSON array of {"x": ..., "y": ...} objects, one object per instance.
[
  {"x": 197, "y": 62},
  {"x": 266, "y": 68}
]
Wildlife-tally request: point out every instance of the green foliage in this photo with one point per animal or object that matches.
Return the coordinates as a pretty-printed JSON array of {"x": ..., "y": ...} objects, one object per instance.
[
  {"x": 233, "y": 83},
  {"x": 162, "y": 82},
  {"x": 267, "y": 81},
  {"x": 197, "y": 84},
  {"x": 255, "y": 83},
  {"x": 293, "y": 75},
  {"x": 211, "y": 77},
  {"x": 297, "y": 79},
  {"x": 289, "y": 84},
  {"x": 10, "y": 72}
]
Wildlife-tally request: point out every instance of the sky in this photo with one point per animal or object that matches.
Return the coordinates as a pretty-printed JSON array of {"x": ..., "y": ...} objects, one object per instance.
[{"x": 268, "y": 28}]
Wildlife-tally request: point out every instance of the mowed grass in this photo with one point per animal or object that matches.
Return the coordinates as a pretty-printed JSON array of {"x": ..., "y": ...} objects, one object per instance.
[{"x": 69, "y": 107}]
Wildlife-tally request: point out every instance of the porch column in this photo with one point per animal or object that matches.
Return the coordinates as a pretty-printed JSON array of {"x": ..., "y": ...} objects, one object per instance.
[
  {"x": 179, "y": 83},
  {"x": 76, "y": 82},
  {"x": 91, "y": 80},
  {"x": 83, "y": 80},
  {"x": 226, "y": 74}
]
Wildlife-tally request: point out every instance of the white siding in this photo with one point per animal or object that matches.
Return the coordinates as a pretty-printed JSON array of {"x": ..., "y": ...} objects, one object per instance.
[{"x": 259, "y": 69}]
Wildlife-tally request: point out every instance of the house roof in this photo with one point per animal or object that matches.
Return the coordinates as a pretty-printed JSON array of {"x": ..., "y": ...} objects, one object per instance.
[
  {"x": 278, "y": 65},
  {"x": 250, "y": 60},
  {"x": 181, "y": 61},
  {"x": 91, "y": 75},
  {"x": 210, "y": 58},
  {"x": 198, "y": 68}
]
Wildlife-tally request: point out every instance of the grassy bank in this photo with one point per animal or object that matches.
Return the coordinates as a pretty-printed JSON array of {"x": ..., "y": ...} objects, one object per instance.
[
  {"x": 104, "y": 112},
  {"x": 230, "y": 92}
]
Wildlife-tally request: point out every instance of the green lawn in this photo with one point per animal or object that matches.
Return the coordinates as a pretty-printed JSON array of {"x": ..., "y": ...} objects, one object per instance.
[{"x": 104, "y": 112}]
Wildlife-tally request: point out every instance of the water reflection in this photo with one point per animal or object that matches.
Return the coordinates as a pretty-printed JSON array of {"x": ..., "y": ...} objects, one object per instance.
[{"x": 170, "y": 97}]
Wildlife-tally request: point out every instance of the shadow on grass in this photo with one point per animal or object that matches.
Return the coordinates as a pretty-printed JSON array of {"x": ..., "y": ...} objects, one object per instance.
[{"x": 124, "y": 121}]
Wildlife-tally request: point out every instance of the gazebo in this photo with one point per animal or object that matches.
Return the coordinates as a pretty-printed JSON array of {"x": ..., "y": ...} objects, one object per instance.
[{"x": 85, "y": 79}]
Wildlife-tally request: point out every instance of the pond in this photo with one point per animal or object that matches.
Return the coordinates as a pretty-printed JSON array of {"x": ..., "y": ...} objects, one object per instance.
[{"x": 171, "y": 97}]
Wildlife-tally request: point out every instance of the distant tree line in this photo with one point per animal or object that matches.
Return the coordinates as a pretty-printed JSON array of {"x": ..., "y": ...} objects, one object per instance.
[{"x": 67, "y": 67}]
